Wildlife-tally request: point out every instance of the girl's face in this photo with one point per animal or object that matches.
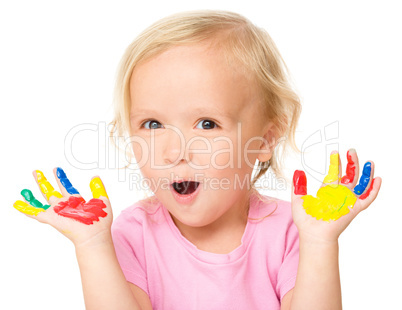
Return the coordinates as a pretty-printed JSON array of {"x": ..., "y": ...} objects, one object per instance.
[{"x": 193, "y": 118}]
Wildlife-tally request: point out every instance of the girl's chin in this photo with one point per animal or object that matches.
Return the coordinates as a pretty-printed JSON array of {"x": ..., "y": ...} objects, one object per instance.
[{"x": 189, "y": 222}]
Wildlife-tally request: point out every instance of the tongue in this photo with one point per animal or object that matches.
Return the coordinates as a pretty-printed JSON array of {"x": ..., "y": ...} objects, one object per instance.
[{"x": 185, "y": 188}]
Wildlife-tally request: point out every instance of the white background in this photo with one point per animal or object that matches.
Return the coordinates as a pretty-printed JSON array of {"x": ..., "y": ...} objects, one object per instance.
[{"x": 57, "y": 68}]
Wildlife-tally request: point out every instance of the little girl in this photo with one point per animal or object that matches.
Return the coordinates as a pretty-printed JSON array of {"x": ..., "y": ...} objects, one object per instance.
[{"x": 204, "y": 98}]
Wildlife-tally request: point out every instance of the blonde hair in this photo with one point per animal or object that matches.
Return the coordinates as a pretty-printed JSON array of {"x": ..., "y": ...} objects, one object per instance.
[{"x": 241, "y": 43}]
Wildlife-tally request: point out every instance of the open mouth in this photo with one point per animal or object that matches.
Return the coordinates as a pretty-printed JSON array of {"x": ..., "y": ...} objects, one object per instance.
[{"x": 185, "y": 187}]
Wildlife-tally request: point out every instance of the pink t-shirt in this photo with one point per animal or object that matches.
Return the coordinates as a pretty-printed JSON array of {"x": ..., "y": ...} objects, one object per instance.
[{"x": 177, "y": 275}]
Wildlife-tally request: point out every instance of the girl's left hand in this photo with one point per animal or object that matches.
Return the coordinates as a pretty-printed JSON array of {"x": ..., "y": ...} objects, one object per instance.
[
  {"x": 83, "y": 222},
  {"x": 338, "y": 201}
]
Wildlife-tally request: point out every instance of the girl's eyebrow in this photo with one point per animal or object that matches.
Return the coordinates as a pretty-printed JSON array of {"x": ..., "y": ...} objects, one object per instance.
[
  {"x": 138, "y": 112},
  {"x": 211, "y": 112},
  {"x": 196, "y": 111}
]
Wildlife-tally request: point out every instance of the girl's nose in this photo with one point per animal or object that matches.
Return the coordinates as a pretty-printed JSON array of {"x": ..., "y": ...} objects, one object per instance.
[{"x": 174, "y": 148}]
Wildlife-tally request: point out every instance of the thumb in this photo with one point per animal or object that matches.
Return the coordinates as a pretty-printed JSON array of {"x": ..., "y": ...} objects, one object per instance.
[
  {"x": 97, "y": 188},
  {"x": 99, "y": 192},
  {"x": 299, "y": 185}
]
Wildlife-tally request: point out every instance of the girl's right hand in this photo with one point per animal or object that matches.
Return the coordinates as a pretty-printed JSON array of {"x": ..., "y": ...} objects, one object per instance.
[{"x": 84, "y": 223}]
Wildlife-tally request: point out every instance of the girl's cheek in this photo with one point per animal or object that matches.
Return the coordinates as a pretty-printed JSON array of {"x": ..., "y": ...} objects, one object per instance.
[
  {"x": 149, "y": 152},
  {"x": 222, "y": 155},
  {"x": 141, "y": 151}
]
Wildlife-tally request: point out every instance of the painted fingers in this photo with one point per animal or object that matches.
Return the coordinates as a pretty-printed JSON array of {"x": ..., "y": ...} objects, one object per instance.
[
  {"x": 64, "y": 182},
  {"x": 78, "y": 209},
  {"x": 45, "y": 187},
  {"x": 68, "y": 204},
  {"x": 365, "y": 180},
  {"x": 363, "y": 188},
  {"x": 97, "y": 188},
  {"x": 338, "y": 194},
  {"x": 352, "y": 168},
  {"x": 334, "y": 170},
  {"x": 31, "y": 206}
]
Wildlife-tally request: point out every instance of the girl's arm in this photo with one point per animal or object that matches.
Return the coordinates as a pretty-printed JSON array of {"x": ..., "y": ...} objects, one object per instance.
[
  {"x": 141, "y": 297},
  {"x": 320, "y": 221},
  {"x": 103, "y": 281},
  {"x": 318, "y": 283},
  {"x": 88, "y": 225}
]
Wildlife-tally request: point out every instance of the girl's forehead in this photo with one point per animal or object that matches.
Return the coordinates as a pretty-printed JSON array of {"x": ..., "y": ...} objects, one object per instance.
[
  {"x": 196, "y": 60},
  {"x": 170, "y": 64},
  {"x": 192, "y": 75}
]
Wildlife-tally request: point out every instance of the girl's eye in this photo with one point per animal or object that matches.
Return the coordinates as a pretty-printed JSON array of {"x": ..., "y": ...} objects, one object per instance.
[
  {"x": 206, "y": 124},
  {"x": 152, "y": 125}
]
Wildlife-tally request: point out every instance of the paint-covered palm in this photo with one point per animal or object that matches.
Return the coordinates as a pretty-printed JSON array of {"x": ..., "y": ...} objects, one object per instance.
[
  {"x": 338, "y": 200},
  {"x": 68, "y": 212}
]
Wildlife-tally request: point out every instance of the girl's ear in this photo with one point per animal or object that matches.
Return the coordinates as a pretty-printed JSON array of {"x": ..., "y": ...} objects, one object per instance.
[{"x": 268, "y": 143}]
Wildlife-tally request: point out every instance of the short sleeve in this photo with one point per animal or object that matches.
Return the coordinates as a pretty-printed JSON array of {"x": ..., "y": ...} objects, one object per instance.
[
  {"x": 127, "y": 234},
  {"x": 288, "y": 270}
]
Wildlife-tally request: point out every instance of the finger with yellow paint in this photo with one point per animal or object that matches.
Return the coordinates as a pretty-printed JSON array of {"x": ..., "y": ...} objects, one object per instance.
[
  {"x": 97, "y": 188},
  {"x": 26, "y": 208},
  {"x": 334, "y": 169},
  {"x": 46, "y": 188},
  {"x": 33, "y": 208}
]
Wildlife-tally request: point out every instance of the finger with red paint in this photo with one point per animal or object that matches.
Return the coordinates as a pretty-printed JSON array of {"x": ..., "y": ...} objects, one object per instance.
[
  {"x": 362, "y": 188},
  {"x": 350, "y": 179},
  {"x": 352, "y": 169},
  {"x": 299, "y": 183},
  {"x": 299, "y": 189}
]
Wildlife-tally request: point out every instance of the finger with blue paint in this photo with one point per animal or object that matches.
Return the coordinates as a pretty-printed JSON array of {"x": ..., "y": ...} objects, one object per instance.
[
  {"x": 365, "y": 178},
  {"x": 64, "y": 182}
]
